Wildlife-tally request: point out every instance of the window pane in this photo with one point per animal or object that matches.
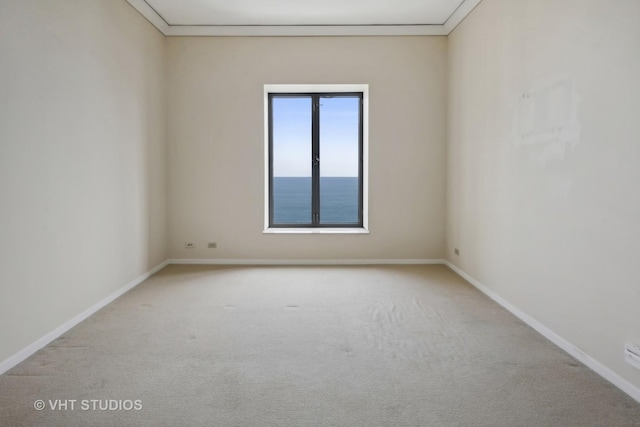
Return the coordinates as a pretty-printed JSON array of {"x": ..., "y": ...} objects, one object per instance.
[
  {"x": 291, "y": 160},
  {"x": 339, "y": 160}
]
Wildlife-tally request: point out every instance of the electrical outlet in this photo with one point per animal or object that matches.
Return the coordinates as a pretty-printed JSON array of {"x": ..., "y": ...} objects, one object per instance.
[
  {"x": 189, "y": 245},
  {"x": 456, "y": 251},
  {"x": 212, "y": 245},
  {"x": 632, "y": 354}
]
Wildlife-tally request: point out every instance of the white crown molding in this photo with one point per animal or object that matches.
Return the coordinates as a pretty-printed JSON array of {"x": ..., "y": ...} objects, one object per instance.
[
  {"x": 461, "y": 12},
  {"x": 303, "y": 30},
  {"x": 151, "y": 15}
]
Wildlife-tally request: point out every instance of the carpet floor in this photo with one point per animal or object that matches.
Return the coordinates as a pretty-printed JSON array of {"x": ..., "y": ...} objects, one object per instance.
[{"x": 307, "y": 346}]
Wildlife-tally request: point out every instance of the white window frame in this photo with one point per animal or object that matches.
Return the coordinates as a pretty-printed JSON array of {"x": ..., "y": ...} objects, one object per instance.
[{"x": 320, "y": 88}]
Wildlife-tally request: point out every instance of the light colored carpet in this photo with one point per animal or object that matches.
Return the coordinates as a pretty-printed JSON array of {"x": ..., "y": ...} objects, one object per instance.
[{"x": 309, "y": 346}]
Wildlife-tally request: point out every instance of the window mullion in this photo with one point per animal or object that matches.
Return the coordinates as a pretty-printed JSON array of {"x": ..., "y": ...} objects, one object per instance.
[
  {"x": 270, "y": 118},
  {"x": 360, "y": 158},
  {"x": 315, "y": 160}
]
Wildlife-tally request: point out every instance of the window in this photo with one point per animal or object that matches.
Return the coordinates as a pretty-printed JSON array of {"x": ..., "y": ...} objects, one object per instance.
[{"x": 316, "y": 158}]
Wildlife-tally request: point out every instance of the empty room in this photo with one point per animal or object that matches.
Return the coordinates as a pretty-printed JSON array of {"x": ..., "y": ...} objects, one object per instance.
[{"x": 335, "y": 213}]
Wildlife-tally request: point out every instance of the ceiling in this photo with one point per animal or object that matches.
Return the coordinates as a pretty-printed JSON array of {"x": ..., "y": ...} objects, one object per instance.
[{"x": 304, "y": 17}]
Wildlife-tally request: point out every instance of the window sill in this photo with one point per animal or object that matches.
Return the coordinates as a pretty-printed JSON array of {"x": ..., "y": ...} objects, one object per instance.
[{"x": 316, "y": 231}]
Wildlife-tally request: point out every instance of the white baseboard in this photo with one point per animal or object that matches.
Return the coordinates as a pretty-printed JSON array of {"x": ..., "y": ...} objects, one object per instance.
[
  {"x": 565, "y": 345},
  {"x": 40, "y": 343},
  {"x": 593, "y": 364},
  {"x": 210, "y": 261},
  {"x": 48, "y": 338}
]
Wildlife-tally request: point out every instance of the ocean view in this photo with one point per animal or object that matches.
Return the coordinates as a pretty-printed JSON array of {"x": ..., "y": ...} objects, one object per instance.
[{"x": 338, "y": 200}]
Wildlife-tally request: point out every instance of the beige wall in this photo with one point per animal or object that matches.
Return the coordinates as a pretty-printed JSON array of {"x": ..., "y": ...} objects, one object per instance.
[
  {"x": 216, "y": 140},
  {"x": 542, "y": 168},
  {"x": 549, "y": 222},
  {"x": 82, "y": 163}
]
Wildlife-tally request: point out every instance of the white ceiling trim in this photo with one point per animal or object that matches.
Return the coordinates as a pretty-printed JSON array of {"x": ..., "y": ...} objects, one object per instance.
[
  {"x": 151, "y": 15},
  {"x": 304, "y": 30},
  {"x": 461, "y": 12}
]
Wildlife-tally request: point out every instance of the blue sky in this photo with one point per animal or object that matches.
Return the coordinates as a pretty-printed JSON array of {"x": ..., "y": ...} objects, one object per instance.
[{"x": 338, "y": 136}]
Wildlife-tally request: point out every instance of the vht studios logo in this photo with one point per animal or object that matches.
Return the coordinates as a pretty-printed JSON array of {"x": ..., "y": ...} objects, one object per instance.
[{"x": 88, "y": 405}]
